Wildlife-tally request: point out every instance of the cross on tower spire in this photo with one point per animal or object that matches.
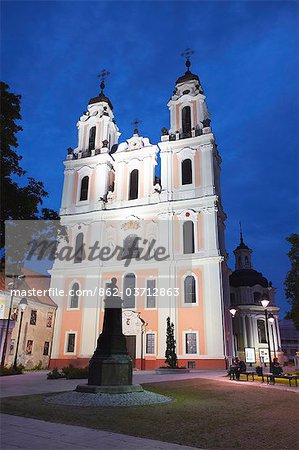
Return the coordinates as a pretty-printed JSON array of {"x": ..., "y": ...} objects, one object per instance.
[
  {"x": 241, "y": 233},
  {"x": 136, "y": 122},
  {"x": 186, "y": 54},
  {"x": 103, "y": 75}
]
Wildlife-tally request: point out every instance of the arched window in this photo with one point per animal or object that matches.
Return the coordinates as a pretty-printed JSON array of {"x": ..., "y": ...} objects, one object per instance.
[
  {"x": 133, "y": 187},
  {"x": 74, "y": 303},
  {"x": 130, "y": 247},
  {"x": 84, "y": 188},
  {"x": 246, "y": 261},
  {"x": 261, "y": 331},
  {"x": 239, "y": 261},
  {"x": 79, "y": 248},
  {"x": 257, "y": 297},
  {"x": 188, "y": 236},
  {"x": 129, "y": 291},
  {"x": 92, "y": 138},
  {"x": 189, "y": 289},
  {"x": 186, "y": 121},
  {"x": 187, "y": 171}
]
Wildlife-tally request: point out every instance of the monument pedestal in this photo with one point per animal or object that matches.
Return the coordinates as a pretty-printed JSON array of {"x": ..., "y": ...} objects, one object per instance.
[{"x": 110, "y": 368}]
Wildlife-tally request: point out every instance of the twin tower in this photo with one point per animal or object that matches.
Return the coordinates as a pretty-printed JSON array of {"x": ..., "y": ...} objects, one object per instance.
[{"x": 112, "y": 195}]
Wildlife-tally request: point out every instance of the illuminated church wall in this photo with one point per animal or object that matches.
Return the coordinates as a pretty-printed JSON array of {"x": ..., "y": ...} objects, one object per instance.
[{"x": 110, "y": 193}]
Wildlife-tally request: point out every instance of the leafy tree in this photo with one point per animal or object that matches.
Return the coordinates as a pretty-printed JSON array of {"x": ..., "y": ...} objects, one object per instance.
[
  {"x": 292, "y": 280},
  {"x": 170, "y": 353},
  {"x": 18, "y": 202}
]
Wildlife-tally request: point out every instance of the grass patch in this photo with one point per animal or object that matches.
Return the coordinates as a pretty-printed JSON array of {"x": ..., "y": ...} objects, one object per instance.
[{"x": 207, "y": 414}]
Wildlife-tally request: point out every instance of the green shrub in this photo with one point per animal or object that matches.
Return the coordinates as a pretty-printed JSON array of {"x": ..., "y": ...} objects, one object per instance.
[
  {"x": 72, "y": 372},
  {"x": 4, "y": 370},
  {"x": 55, "y": 374}
]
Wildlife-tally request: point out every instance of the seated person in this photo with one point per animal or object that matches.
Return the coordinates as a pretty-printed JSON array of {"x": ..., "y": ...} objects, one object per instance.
[
  {"x": 241, "y": 368},
  {"x": 276, "y": 367}
]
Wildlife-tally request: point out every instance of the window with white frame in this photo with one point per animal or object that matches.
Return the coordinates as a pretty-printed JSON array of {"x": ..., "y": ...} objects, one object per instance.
[
  {"x": 188, "y": 237},
  {"x": 79, "y": 248},
  {"x": 190, "y": 289},
  {"x": 150, "y": 291},
  {"x": 190, "y": 343},
  {"x": 129, "y": 291},
  {"x": 70, "y": 342},
  {"x": 84, "y": 188},
  {"x": 187, "y": 171},
  {"x": 133, "y": 186},
  {"x": 92, "y": 138},
  {"x": 74, "y": 297},
  {"x": 150, "y": 343}
]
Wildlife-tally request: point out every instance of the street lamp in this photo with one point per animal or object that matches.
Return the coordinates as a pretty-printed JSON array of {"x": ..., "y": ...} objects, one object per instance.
[
  {"x": 265, "y": 302},
  {"x": 271, "y": 319},
  {"x": 233, "y": 311},
  {"x": 12, "y": 284},
  {"x": 22, "y": 305}
]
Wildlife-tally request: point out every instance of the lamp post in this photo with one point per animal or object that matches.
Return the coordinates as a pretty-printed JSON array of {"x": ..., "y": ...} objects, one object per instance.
[
  {"x": 233, "y": 311},
  {"x": 271, "y": 319},
  {"x": 265, "y": 302},
  {"x": 22, "y": 305},
  {"x": 12, "y": 284}
]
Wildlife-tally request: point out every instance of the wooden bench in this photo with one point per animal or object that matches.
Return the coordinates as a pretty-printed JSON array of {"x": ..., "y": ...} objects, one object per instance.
[
  {"x": 247, "y": 373},
  {"x": 271, "y": 378}
]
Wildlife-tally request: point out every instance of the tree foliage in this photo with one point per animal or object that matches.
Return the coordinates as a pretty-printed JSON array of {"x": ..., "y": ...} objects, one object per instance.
[
  {"x": 292, "y": 280},
  {"x": 170, "y": 353},
  {"x": 21, "y": 196}
]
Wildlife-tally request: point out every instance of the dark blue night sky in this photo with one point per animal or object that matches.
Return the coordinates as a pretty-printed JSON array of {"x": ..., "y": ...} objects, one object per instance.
[{"x": 247, "y": 60}]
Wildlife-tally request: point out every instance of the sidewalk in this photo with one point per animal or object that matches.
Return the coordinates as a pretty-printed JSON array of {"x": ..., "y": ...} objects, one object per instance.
[
  {"x": 32, "y": 434},
  {"x": 36, "y": 382}
]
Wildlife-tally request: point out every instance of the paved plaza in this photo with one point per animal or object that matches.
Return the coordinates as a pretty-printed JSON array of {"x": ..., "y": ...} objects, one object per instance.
[{"x": 26, "y": 433}]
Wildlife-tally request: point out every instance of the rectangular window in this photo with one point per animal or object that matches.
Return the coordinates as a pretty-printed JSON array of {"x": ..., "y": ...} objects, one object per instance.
[
  {"x": 261, "y": 331},
  {"x": 29, "y": 347},
  {"x": 33, "y": 317},
  {"x": 11, "y": 346},
  {"x": 191, "y": 344},
  {"x": 71, "y": 337},
  {"x": 150, "y": 290},
  {"x": 46, "y": 348},
  {"x": 150, "y": 343},
  {"x": 49, "y": 319}
]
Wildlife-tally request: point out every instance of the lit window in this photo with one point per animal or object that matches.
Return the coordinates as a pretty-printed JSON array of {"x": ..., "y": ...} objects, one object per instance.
[
  {"x": 150, "y": 343},
  {"x": 191, "y": 344}
]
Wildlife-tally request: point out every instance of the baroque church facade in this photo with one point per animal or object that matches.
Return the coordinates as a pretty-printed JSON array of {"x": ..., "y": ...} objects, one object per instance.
[{"x": 112, "y": 196}]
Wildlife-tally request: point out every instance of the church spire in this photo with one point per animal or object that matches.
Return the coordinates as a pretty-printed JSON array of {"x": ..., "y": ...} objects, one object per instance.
[{"x": 242, "y": 253}]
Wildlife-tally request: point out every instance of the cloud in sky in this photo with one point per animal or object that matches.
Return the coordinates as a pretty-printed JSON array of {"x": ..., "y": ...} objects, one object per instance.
[{"x": 246, "y": 57}]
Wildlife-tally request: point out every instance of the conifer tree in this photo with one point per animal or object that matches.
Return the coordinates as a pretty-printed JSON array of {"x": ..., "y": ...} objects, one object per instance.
[{"x": 170, "y": 353}]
